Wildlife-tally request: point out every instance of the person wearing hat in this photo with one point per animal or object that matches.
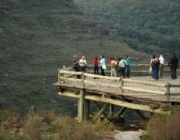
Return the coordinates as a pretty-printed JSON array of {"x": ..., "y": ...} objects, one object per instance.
[{"x": 161, "y": 66}]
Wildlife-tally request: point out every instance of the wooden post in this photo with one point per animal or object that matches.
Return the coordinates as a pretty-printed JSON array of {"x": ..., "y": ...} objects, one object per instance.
[
  {"x": 83, "y": 78},
  {"x": 111, "y": 110},
  {"x": 81, "y": 104},
  {"x": 78, "y": 116},
  {"x": 81, "y": 108},
  {"x": 121, "y": 85},
  {"x": 168, "y": 93},
  {"x": 59, "y": 75},
  {"x": 86, "y": 110}
]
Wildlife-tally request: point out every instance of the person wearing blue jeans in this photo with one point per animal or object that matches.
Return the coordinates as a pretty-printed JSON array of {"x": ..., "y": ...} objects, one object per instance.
[
  {"x": 156, "y": 64},
  {"x": 153, "y": 59},
  {"x": 156, "y": 75},
  {"x": 128, "y": 65}
]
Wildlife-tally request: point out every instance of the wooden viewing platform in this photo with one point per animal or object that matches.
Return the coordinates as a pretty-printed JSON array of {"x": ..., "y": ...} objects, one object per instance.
[{"x": 138, "y": 93}]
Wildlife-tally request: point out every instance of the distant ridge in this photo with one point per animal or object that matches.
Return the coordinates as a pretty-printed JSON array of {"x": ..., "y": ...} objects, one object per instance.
[{"x": 39, "y": 36}]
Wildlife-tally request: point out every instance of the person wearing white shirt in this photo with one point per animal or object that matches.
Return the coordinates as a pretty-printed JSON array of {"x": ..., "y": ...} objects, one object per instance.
[
  {"x": 161, "y": 66},
  {"x": 122, "y": 66},
  {"x": 82, "y": 64},
  {"x": 102, "y": 62}
]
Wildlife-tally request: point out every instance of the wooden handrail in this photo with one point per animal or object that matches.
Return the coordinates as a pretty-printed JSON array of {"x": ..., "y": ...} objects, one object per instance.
[
  {"x": 101, "y": 84},
  {"x": 151, "y": 96},
  {"x": 113, "y": 85},
  {"x": 144, "y": 82},
  {"x": 121, "y": 86}
]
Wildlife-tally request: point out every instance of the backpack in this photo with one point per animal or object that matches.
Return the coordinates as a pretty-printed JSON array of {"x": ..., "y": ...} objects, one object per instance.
[
  {"x": 113, "y": 65},
  {"x": 125, "y": 64},
  {"x": 155, "y": 63}
]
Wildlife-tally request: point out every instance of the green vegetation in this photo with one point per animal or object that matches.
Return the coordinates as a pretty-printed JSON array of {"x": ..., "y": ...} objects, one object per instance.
[
  {"x": 36, "y": 38},
  {"x": 152, "y": 26},
  {"x": 46, "y": 125},
  {"x": 39, "y": 36}
]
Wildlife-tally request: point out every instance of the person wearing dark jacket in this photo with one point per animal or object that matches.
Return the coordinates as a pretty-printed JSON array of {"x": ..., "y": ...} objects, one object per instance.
[
  {"x": 76, "y": 65},
  {"x": 174, "y": 66}
]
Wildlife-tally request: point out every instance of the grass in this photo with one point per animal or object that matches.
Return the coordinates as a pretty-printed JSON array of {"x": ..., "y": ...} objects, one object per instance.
[
  {"x": 47, "y": 125},
  {"x": 163, "y": 127}
]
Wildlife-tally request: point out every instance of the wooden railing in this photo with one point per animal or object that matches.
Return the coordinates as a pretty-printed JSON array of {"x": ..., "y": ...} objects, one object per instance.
[
  {"x": 105, "y": 85},
  {"x": 136, "y": 70},
  {"x": 65, "y": 75}
]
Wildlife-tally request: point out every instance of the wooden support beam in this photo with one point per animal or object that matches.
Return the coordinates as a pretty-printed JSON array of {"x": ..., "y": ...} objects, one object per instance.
[
  {"x": 78, "y": 109},
  {"x": 81, "y": 106},
  {"x": 121, "y": 86},
  {"x": 69, "y": 94},
  {"x": 111, "y": 110},
  {"x": 121, "y": 111},
  {"x": 86, "y": 110},
  {"x": 126, "y": 104},
  {"x": 168, "y": 96},
  {"x": 100, "y": 112},
  {"x": 140, "y": 114},
  {"x": 99, "y": 108}
]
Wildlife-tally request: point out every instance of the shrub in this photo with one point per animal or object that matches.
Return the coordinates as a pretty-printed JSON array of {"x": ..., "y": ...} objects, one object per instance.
[
  {"x": 164, "y": 127},
  {"x": 46, "y": 125},
  {"x": 3, "y": 115}
]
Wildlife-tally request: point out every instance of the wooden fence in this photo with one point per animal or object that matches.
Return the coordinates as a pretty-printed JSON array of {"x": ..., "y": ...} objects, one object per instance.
[
  {"x": 136, "y": 70},
  {"x": 120, "y": 85}
]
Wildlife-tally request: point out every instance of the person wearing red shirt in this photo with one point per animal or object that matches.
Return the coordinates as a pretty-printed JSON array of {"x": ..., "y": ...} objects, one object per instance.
[{"x": 96, "y": 65}]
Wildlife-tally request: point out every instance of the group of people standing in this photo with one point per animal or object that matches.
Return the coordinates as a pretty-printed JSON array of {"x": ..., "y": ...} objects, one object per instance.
[
  {"x": 122, "y": 65},
  {"x": 80, "y": 65},
  {"x": 99, "y": 64},
  {"x": 157, "y": 66}
]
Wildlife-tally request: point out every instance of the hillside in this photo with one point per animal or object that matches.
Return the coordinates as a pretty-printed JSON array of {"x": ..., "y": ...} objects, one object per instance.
[
  {"x": 152, "y": 26},
  {"x": 36, "y": 38}
]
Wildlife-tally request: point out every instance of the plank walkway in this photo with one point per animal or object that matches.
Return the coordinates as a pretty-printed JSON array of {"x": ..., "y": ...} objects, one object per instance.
[
  {"x": 138, "y": 96},
  {"x": 141, "y": 93}
]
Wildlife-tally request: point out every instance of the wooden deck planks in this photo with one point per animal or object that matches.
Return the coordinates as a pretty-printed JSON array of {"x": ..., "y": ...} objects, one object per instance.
[{"x": 146, "y": 97}]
